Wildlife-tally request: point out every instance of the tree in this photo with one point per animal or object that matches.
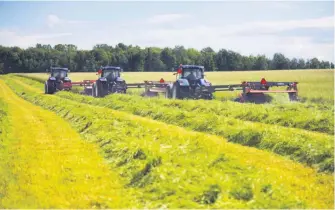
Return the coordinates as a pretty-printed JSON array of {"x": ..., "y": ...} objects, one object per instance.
[
  {"x": 315, "y": 63},
  {"x": 91, "y": 65},
  {"x": 135, "y": 58},
  {"x": 279, "y": 61},
  {"x": 301, "y": 64},
  {"x": 261, "y": 63},
  {"x": 294, "y": 63},
  {"x": 168, "y": 58}
]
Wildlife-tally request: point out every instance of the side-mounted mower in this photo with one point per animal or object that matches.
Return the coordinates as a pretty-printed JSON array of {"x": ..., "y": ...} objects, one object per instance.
[
  {"x": 58, "y": 80},
  {"x": 191, "y": 83}
]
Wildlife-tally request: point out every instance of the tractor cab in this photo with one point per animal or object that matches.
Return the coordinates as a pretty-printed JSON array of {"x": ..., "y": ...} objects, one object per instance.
[
  {"x": 59, "y": 73},
  {"x": 111, "y": 73},
  {"x": 192, "y": 73}
]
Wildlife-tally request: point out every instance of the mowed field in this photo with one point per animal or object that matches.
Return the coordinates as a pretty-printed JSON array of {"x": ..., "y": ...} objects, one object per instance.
[{"x": 74, "y": 151}]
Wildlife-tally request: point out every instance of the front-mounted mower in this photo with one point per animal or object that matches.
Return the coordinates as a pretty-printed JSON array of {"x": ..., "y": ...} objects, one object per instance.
[
  {"x": 58, "y": 80},
  {"x": 190, "y": 83},
  {"x": 108, "y": 82}
]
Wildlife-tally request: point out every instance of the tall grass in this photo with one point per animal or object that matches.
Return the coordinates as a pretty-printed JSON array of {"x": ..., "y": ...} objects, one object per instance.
[
  {"x": 175, "y": 168},
  {"x": 311, "y": 148}
]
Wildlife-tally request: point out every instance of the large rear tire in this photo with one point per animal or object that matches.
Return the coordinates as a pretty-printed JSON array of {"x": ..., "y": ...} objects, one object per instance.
[
  {"x": 93, "y": 90},
  {"x": 49, "y": 87},
  {"x": 45, "y": 88},
  {"x": 102, "y": 89}
]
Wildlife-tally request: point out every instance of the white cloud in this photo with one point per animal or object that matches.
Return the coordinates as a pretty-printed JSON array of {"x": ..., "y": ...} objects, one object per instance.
[
  {"x": 164, "y": 18},
  {"x": 12, "y": 38},
  {"x": 269, "y": 27},
  {"x": 53, "y": 21},
  {"x": 246, "y": 38}
]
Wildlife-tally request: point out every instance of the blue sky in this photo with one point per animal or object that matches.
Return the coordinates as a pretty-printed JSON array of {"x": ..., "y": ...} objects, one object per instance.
[{"x": 296, "y": 28}]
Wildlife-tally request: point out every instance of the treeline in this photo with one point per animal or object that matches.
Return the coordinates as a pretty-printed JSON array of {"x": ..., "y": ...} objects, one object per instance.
[{"x": 134, "y": 58}]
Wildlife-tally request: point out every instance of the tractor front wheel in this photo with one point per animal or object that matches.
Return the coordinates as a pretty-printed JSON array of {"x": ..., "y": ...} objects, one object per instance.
[
  {"x": 176, "y": 91},
  {"x": 167, "y": 92}
]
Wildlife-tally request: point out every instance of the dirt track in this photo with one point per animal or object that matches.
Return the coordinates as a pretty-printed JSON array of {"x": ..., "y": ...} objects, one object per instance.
[{"x": 48, "y": 159}]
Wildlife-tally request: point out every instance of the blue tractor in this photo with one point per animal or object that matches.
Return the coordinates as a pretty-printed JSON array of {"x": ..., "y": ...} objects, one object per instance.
[
  {"x": 58, "y": 80},
  {"x": 109, "y": 82},
  {"x": 190, "y": 83}
]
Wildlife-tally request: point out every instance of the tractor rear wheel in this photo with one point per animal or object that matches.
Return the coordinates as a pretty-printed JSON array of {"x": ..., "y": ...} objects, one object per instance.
[
  {"x": 49, "y": 87},
  {"x": 101, "y": 89},
  {"x": 94, "y": 90},
  {"x": 45, "y": 88}
]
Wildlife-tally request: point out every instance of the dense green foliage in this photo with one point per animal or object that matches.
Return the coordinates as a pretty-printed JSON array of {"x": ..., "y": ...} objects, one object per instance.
[
  {"x": 312, "y": 148},
  {"x": 172, "y": 167},
  {"x": 134, "y": 58}
]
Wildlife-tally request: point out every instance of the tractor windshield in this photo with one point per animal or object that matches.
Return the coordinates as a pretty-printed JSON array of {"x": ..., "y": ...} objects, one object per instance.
[
  {"x": 194, "y": 73},
  {"x": 111, "y": 74},
  {"x": 59, "y": 73}
]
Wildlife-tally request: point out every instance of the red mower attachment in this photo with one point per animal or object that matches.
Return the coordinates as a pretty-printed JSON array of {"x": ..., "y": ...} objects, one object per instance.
[
  {"x": 83, "y": 83},
  {"x": 67, "y": 85},
  {"x": 87, "y": 84},
  {"x": 254, "y": 91}
]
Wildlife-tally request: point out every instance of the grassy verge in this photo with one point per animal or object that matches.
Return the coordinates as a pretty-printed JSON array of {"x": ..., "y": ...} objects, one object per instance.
[
  {"x": 313, "y": 149},
  {"x": 172, "y": 167},
  {"x": 45, "y": 164}
]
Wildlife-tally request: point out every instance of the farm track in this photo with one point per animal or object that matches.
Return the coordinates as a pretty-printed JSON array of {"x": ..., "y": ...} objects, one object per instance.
[
  {"x": 305, "y": 146},
  {"x": 172, "y": 176},
  {"x": 48, "y": 165}
]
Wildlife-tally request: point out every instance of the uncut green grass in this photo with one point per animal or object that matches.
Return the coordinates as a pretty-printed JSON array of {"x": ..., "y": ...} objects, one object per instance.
[
  {"x": 314, "y": 85},
  {"x": 312, "y": 148},
  {"x": 175, "y": 168}
]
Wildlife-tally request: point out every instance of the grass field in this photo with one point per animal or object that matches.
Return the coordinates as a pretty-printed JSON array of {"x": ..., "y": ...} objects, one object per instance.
[{"x": 126, "y": 151}]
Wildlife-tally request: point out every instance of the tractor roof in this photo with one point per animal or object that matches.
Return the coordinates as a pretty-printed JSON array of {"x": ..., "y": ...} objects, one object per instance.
[
  {"x": 59, "y": 68},
  {"x": 192, "y": 67},
  {"x": 111, "y": 68}
]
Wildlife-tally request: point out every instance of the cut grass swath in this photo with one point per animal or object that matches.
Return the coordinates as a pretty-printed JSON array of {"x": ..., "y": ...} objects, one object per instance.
[{"x": 172, "y": 167}]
